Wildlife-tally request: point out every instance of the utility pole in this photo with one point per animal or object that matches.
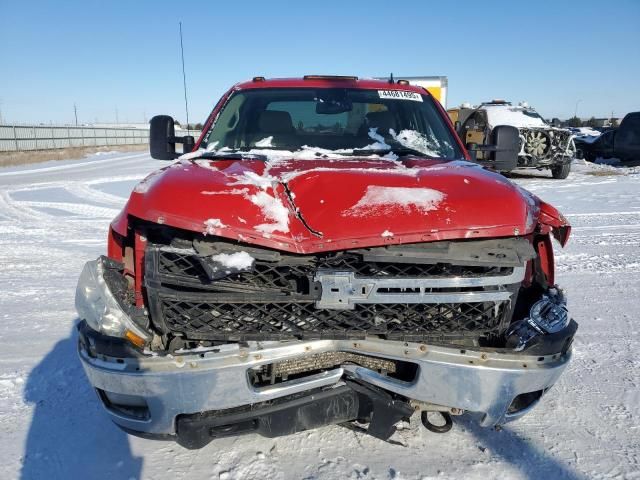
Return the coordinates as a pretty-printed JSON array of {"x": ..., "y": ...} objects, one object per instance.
[
  {"x": 575, "y": 113},
  {"x": 75, "y": 113},
  {"x": 184, "y": 79},
  {"x": 117, "y": 121}
]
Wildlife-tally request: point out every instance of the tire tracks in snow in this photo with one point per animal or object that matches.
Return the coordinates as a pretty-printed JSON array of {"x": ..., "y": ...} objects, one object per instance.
[{"x": 71, "y": 166}]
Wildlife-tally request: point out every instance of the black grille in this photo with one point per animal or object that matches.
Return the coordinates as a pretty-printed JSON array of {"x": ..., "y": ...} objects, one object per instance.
[
  {"x": 291, "y": 275},
  {"x": 277, "y": 300},
  {"x": 262, "y": 321}
]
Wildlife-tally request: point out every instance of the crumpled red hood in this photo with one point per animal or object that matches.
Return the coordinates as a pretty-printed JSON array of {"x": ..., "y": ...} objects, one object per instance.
[{"x": 314, "y": 205}]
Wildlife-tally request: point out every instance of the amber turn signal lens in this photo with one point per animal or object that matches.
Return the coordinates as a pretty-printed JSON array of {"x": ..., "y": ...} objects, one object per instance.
[{"x": 135, "y": 339}]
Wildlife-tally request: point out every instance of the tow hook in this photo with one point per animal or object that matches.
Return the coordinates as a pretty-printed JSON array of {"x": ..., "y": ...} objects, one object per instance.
[
  {"x": 425, "y": 408},
  {"x": 448, "y": 422}
]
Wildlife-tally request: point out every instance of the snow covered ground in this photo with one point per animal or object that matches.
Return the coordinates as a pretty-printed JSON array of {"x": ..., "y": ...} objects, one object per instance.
[{"x": 54, "y": 217}]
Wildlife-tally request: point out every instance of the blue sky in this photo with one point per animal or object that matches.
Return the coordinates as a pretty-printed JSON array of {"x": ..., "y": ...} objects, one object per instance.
[{"x": 125, "y": 56}]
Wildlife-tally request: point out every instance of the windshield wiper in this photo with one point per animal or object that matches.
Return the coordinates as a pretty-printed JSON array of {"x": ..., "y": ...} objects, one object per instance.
[
  {"x": 233, "y": 155},
  {"x": 400, "y": 151}
]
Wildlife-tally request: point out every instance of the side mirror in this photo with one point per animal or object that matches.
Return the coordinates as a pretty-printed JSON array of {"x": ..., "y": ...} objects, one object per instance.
[
  {"x": 162, "y": 139},
  {"x": 506, "y": 140},
  {"x": 503, "y": 152}
]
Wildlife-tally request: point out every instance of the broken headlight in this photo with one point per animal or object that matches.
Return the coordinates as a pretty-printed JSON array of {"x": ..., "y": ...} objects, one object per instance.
[
  {"x": 96, "y": 304},
  {"x": 548, "y": 315}
]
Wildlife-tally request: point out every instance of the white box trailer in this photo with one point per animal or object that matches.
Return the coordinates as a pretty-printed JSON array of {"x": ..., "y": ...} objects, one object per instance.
[{"x": 437, "y": 85}]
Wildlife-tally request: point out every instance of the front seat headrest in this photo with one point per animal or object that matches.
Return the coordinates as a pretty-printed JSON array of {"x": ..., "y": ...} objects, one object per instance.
[
  {"x": 382, "y": 120},
  {"x": 275, "y": 121}
]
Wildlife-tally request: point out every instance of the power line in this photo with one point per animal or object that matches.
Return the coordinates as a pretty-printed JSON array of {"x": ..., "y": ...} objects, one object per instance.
[{"x": 184, "y": 79}]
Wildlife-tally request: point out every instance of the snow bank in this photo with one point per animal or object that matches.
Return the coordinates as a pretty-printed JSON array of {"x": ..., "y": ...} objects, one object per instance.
[
  {"x": 376, "y": 197},
  {"x": 238, "y": 260}
]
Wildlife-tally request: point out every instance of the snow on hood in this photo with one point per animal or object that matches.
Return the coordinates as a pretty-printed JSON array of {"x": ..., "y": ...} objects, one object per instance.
[
  {"x": 515, "y": 116},
  {"x": 274, "y": 211},
  {"x": 319, "y": 203},
  {"x": 378, "y": 199}
]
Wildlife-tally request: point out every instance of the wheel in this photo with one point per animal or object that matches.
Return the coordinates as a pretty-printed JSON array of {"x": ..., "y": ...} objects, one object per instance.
[{"x": 561, "y": 172}]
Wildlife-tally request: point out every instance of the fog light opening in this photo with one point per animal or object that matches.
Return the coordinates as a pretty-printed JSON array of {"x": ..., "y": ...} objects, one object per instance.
[
  {"x": 524, "y": 401},
  {"x": 128, "y": 406}
]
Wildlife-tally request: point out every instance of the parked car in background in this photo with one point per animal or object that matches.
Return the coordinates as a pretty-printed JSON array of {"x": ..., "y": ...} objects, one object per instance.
[
  {"x": 622, "y": 143},
  {"x": 542, "y": 146}
]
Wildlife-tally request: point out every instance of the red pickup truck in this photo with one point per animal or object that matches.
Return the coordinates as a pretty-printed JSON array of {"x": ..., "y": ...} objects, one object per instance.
[{"x": 325, "y": 253}]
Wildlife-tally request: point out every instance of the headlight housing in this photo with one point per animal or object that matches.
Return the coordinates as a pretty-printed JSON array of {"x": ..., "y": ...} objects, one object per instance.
[
  {"x": 547, "y": 316},
  {"x": 550, "y": 315},
  {"x": 97, "y": 305}
]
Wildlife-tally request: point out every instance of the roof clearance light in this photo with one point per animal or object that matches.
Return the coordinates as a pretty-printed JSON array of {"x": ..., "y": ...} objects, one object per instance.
[
  {"x": 258, "y": 79},
  {"x": 329, "y": 77},
  {"x": 403, "y": 82}
]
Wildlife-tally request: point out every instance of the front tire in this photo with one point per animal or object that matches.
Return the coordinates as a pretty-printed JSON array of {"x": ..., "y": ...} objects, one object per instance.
[{"x": 560, "y": 172}]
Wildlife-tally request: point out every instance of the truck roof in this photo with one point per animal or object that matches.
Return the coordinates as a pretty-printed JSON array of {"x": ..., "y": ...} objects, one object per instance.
[{"x": 324, "y": 81}]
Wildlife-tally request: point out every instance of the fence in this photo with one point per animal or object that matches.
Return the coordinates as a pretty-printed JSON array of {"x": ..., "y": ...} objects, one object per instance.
[{"x": 41, "y": 137}]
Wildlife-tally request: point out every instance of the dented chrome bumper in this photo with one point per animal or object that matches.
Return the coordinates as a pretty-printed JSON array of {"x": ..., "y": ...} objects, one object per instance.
[{"x": 147, "y": 393}]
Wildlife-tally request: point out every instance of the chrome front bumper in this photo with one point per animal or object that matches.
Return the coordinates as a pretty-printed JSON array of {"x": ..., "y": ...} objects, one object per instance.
[{"x": 482, "y": 382}]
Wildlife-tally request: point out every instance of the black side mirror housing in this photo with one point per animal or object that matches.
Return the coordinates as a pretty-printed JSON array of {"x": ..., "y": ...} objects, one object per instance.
[
  {"x": 506, "y": 140},
  {"x": 503, "y": 152},
  {"x": 162, "y": 139}
]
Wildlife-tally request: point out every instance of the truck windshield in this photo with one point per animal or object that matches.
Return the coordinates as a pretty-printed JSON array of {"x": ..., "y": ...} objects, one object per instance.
[{"x": 344, "y": 121}]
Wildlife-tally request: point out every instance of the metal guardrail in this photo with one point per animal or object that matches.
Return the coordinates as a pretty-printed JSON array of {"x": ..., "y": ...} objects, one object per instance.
[{"x": 17, "y": 138}]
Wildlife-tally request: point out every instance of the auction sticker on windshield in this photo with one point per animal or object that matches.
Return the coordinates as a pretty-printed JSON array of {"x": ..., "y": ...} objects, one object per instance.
[{"x": 400, "y": 95}]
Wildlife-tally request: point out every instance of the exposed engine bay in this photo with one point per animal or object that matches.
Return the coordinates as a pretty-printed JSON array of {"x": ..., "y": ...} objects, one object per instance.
[{"x": 545, "y": 146}]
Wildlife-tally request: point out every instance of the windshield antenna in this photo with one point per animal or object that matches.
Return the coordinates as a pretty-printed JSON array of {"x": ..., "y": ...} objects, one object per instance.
[
  {"x": 184, "y": 79},
  {"x": 391, "y": 78}
]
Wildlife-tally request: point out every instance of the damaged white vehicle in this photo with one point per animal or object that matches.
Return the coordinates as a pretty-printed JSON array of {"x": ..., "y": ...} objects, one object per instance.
[{"x": 542, "y": 146}]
